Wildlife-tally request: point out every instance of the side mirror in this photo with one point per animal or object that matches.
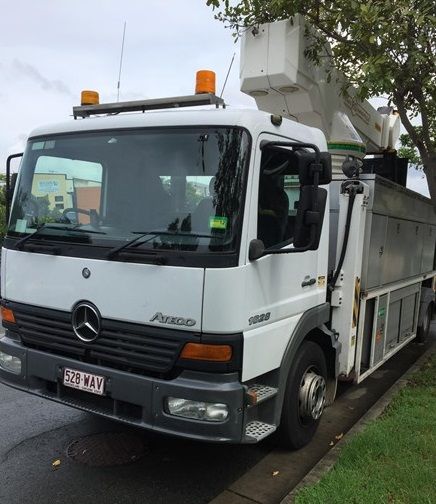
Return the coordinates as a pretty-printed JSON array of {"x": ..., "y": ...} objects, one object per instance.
[
  {"x": 307, "y": 165},
  {"x": 310, "y": 216},
  {"x": 255, "y": 249},
  {"x": 309, "y": 162},
  {"x": 308, "y": 225}
]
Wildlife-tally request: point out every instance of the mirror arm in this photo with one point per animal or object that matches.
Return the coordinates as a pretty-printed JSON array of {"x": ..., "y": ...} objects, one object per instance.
[
  {"x": 295, "y": 145},
  {"x": 8, "y": 183},
  {"x": 296, "y": 249}
]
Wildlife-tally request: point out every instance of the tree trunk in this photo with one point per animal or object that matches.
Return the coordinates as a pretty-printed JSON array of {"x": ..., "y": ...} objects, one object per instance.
[
  {"x": 425, "y": 148},
  {"x": 430, "y": 172}
]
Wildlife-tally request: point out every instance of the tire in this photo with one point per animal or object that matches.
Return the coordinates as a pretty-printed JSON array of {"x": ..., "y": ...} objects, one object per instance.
[
  {"x": 307, "y": 379},
  {"x": 423, "y": 330}
]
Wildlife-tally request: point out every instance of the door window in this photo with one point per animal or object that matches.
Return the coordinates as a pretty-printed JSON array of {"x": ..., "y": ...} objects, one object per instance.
[{"x": 279, "y": 193}]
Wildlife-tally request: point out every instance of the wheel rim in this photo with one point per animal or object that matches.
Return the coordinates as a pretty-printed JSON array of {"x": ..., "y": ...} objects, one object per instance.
[{"x": 312, "y": 395}]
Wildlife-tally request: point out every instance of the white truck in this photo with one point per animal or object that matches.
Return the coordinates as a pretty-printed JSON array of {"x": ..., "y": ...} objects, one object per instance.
[{"x": 213, "y": 273}]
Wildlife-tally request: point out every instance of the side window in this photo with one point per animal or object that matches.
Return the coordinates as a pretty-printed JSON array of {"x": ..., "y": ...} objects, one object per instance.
[{"x": 279, "y": 192}]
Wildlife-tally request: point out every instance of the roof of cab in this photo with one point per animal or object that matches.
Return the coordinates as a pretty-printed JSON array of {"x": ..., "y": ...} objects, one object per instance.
[{"x": 255, "y": 121}]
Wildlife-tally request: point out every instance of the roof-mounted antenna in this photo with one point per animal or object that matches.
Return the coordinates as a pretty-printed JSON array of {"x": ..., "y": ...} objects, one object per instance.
[
  {"x": 227, "y": 76},
  {"x": 121, "y": 63}
]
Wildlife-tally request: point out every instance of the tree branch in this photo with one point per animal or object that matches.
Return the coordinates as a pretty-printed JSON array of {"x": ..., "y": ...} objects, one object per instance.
[
  {"x": 333, "y": 35},
  {"x": 424, "y": 118},
  {"x": 399, "y": 102}
]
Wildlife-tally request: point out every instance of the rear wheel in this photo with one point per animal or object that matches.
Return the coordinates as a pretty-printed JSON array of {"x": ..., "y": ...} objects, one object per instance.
[
  {"x": 305, "y": 396},
  {"x": 424, "y": 329}
]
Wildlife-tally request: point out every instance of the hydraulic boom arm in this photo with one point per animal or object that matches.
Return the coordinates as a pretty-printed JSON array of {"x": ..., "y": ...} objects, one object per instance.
[{"x": 275, "y": 71}]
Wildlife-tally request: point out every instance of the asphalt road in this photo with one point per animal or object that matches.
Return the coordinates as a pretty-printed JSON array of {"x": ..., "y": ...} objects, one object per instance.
[{"x": 35, "y": 432}]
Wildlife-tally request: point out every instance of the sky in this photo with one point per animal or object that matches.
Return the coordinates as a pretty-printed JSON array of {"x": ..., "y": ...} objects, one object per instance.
[{"x": 50, "y": 50}]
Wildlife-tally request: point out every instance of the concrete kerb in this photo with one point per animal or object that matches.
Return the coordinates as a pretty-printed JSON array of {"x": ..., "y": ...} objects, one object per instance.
[{"x": 330, "y": 459}]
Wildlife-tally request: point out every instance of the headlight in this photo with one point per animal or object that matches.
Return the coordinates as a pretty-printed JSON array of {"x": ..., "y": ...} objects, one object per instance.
[
  {"x": 198, "y": 410},
  {"x": 10, "y": 363}
]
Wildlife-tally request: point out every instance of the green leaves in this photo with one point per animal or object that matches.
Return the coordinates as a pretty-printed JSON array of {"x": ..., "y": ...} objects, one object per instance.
[
  {"x": 408, "y": 150},
  {"x": 383, "y": 47}
]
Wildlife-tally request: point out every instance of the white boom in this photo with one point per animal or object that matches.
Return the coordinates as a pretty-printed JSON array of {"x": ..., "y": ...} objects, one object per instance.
[{"x": 275, "y": 71}]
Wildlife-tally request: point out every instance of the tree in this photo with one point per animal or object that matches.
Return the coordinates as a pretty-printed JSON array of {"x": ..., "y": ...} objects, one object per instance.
[
  {"x": 408, "y": 150},
  {"x": 382, "y": 47}
]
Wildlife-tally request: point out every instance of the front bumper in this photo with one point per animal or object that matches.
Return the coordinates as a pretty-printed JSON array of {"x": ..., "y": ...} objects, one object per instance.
[{"x": 133, "y": 399}]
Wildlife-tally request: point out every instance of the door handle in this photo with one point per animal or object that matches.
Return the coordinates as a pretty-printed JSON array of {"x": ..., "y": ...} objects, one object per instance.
[{"x": 306, "y": 283}]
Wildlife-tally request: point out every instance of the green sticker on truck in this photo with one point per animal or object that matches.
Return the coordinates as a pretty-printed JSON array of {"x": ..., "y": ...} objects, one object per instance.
[{"x": 218, "y": 223}]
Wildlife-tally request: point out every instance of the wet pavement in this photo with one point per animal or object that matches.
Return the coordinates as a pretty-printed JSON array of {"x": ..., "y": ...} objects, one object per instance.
[{"x": 35, "y": 435}]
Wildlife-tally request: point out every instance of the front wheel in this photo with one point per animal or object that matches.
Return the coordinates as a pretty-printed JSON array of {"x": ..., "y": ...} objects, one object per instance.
[{"x": 305, "y": 396}]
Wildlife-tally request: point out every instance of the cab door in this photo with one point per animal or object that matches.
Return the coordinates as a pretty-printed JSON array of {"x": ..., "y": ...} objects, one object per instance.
[{"x": 279, "y": 287}]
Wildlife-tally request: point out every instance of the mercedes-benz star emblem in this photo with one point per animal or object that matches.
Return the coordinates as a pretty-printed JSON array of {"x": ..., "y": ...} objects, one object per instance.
[{"x": 86, "y": 322}]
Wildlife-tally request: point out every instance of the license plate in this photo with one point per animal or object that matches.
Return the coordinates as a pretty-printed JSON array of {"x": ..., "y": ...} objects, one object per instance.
[{"x": 84, "y": 381}]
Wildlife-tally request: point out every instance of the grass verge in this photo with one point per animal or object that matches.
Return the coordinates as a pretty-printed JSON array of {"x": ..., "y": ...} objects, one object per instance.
[{"x": 394, "y": 459}]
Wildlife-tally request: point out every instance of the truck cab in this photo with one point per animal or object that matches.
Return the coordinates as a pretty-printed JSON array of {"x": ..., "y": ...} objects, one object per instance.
[{"x": 163, "y": 268}]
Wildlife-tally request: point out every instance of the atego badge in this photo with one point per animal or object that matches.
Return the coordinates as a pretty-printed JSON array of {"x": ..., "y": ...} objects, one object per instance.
[{"x": 169, "y": 319}]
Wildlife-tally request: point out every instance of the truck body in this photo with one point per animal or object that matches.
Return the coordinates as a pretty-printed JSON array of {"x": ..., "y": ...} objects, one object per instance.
[{"x": 202, "y": 273}]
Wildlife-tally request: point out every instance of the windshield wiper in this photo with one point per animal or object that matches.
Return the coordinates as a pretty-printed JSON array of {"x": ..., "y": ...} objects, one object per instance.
[
  {"x": 142, "y": 234},
  {"x": 175, "y": 233},
  {"x": 116, "y": 250},
  {"x": 22, "y": 241},
  {"x": 144, "y": 255}
]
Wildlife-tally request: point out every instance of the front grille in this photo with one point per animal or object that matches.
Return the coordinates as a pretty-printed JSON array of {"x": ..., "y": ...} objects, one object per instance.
[{"x": 126, "y": 346}]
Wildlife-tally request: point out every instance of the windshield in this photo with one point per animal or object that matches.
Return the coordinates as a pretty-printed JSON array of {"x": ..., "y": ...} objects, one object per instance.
[{"x": 182, "y": 189}]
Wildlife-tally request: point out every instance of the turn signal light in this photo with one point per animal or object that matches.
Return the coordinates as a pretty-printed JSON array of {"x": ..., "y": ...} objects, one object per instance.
[
  {"x": 8, "y": 315},
  {"x": 200, "y": 351},
  {"x": 205, "y": 82},
  {"x": 89, "y": 98}
]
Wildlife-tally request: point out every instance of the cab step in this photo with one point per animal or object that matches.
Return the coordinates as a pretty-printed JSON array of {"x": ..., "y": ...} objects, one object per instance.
[
  {"x": 259, "y": 393},
  {"x": 256, "y": 431}
]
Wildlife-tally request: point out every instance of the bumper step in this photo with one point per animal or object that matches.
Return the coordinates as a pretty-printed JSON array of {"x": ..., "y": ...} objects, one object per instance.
[
  {"x": 260, "y": 393},
  {"x": 257, "y": 431}
]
